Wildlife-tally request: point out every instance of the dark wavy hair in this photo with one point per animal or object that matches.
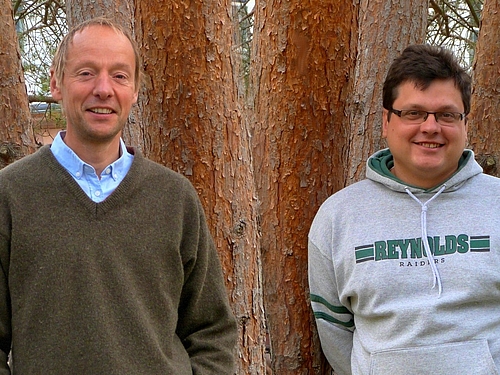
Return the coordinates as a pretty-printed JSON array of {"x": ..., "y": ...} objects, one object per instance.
[{"x": 422, "y": 64}]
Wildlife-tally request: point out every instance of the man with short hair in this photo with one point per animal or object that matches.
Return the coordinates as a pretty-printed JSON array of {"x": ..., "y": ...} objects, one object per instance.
[
  {"x": 108, "y": 266},
  {"x": 404, "y": 265}
]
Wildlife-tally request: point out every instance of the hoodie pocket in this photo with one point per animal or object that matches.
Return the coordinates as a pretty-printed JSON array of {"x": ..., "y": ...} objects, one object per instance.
[{"x": 467, "y": 357}]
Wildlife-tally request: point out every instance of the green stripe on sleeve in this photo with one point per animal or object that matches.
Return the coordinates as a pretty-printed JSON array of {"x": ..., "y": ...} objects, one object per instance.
[
  {"x": 329, "y": 306},
  {"x": 331, "y": 319}
]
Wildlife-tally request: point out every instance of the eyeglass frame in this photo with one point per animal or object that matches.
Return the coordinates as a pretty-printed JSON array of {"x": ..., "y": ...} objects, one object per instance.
[{"x": 399, "y": 113}]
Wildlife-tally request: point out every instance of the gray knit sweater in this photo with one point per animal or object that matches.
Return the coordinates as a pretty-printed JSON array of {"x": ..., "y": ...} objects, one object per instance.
[{"x": 132, "y": 285}]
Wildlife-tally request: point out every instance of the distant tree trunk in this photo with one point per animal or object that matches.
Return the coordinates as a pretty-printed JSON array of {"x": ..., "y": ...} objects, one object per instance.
[
  {"x": 317, "y": 75},
  {"x": 16, "y": 128},
  {"x": 484, "y": 131}
]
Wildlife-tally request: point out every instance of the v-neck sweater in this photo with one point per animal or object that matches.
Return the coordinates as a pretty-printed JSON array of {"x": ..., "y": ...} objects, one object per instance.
[{"x": 130, "y": 285}]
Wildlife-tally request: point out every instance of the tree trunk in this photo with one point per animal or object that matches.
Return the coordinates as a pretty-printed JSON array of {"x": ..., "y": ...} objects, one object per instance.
[
  {"x": 16, "y": 127},
  {"x": 484, "y": 132},
  {"x": 385, "y": 29},
  {"x": 303, "y": 58},
  {"x": 121, "y": 11},
  {"x": 192, "y": 123},
  {"x": 317, "y": 76}
]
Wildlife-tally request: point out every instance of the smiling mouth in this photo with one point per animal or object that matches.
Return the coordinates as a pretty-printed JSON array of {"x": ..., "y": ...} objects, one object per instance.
[
  {"x": 429, "y": 145},
  {"x": 102, "y": 111}
]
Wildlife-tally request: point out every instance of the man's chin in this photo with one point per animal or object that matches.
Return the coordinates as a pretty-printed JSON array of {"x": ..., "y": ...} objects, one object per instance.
[{"x": 97, "y": 135}]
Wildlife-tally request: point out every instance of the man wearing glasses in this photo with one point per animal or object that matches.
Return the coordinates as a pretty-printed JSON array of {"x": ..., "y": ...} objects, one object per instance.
[{"x": 404, "y": 265}]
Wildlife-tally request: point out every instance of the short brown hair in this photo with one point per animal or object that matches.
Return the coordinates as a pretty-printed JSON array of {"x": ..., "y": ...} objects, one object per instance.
[
  {"x": 422, "y": 64},
  {"x": 59, "y": 61}
]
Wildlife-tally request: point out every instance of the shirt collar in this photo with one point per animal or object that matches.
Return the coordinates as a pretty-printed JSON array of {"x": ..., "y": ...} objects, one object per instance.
[{"x": 76, "y": 166}]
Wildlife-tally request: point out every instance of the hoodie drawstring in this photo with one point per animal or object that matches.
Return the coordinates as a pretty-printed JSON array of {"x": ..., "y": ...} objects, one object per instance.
[{"x": 423, "y": 223}]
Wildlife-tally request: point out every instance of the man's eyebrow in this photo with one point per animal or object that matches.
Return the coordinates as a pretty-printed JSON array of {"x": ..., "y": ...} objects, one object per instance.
[
  {"x": 123, "y": 66},
  {"x": 449, "y": 108},
  {"x": 445, "y": 108},
  {"x": 93, "y": 64}
]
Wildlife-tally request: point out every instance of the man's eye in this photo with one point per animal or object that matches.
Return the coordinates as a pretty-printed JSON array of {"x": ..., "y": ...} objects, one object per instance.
[
  {"x": 413, "y": 114},
  {"x": 447, "y": 115}
]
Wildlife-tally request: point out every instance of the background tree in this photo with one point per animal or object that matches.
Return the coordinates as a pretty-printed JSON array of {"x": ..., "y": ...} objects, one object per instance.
[
  {"x": 484, "y": 132},
  {"x": 302, "y": 59},
  {"x": 40, "y": 27},
  {"x": 454, "y": 24},
  {"x": 16, "y": 132}
]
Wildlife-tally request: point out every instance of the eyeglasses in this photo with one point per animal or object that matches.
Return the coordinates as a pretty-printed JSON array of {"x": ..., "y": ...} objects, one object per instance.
[{"x": 415, "y": 117}]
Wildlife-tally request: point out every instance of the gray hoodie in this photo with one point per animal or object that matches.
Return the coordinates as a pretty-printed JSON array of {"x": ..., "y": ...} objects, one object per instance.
[{"x": 387, "y": 302}]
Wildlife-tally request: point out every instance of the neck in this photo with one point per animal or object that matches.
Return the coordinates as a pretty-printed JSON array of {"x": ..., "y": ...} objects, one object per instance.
[
  {"x": 98, "y": 155},
  {"x": 420, "y": 181}
]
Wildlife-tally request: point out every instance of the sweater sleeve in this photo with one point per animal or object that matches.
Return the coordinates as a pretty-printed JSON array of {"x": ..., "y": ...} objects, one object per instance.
[
  {"x": 334, "y": 321},
  {"x": 5, "y": 326},
  {"x": 5, "y": 316},
  {"x": 206, "y": 325}
]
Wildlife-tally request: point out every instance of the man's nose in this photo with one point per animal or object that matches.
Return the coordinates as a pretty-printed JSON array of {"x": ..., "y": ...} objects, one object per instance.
[
  {"x": 103, "y": 86},
  {"x": 430, "y": 124}
]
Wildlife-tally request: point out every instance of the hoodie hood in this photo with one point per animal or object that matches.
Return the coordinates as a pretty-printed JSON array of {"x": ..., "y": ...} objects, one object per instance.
[
  {"x": 379, "y": 166},
  {"x": 378, "y": 170}
]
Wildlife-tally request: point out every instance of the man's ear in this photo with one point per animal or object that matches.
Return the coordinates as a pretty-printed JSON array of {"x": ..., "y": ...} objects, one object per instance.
[
  {"x": 55, "y": 89},
  {"x": 385, "y": 122}
]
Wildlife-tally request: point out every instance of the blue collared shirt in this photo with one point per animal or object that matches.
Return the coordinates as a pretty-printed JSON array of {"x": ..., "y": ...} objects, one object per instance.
[{"x": 85, "y": 175}]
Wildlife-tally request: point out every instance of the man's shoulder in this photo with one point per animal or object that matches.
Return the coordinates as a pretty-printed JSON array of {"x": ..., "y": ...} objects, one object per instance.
[
  {"x": 485, "y": 183},
  {"x": 351, "y": 199},
  {"x": 153, "y": 169},
  {"x": 159, "y": 177},
  {"x": 490, "y": 179},
  {"x": 354, "y": 192},
  {"x": 25, "y": 164}
]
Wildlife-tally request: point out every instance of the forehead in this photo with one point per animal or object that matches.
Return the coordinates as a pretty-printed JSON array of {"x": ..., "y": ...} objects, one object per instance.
[
  {"x": 100, "y": 43},
  {"x": 439, "y": 94}
]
